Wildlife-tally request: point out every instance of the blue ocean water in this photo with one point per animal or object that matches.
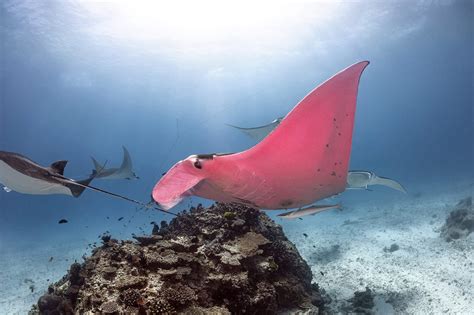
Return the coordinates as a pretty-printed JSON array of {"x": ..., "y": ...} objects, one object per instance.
[{"x": 79, "y": 80}]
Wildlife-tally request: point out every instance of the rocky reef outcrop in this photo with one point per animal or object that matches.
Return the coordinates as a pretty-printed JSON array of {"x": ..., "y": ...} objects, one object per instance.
[
  {"x": 226, "y": 259},
  {"x": 460, "y": 222}
]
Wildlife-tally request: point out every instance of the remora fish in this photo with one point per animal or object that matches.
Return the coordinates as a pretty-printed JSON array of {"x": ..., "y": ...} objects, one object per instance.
[
  {"x": 312, "y": 210},
  {"x": 22, "y": 175}
]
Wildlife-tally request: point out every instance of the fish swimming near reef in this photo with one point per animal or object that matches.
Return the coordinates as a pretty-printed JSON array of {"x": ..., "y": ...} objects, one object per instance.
[
  {"x": 258, "y": 133},
  {"x": 305, "y": 159},
  {"x": 312, "y": 210},
  {"x": 123, "y": 172},
  {"x": 363, "y": 179},
  {"x": 22, "y": 175}
]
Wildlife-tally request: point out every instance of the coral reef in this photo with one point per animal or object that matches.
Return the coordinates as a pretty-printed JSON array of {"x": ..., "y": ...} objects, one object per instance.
[
  {"x": 219, "y": 260},
  {"x": 460, "y": 222}
]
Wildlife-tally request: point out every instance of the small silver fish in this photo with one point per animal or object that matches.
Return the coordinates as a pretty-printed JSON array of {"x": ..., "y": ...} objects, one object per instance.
[{"x": 311, "y": 210}]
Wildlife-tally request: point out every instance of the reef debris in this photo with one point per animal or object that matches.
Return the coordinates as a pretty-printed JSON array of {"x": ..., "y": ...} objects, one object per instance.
[
  {"x": 204, "y": 262},
  {"x": 460, "y": 222}
]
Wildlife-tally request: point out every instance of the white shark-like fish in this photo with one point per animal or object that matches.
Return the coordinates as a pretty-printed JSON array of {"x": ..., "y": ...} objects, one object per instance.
[
  {"x": 123, "y": 172},
  {"x": 311, "y": 210},
  {"x": 22, "y": 175}
]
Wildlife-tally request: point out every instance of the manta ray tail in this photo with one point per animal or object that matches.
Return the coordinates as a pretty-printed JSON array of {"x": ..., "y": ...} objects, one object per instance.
[
  {"x": 388, "y": 183},
  {"x": 85, "y": 184}
]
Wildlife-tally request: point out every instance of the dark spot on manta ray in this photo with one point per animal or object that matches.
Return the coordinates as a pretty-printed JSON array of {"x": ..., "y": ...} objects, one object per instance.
[
  {"x": 286, "y": 203},
  {"x": 62, "y": 221},
  {"x": 322, "y": 273},
  {"x": 301, "y": 219},
  {"x": 120, "y": 219},
  {"x": 198, "y": 164},
  {"x": 305, "y": 235},
  {"x": 333, "y": 173},
  {"x": 334, "y": 119},
  {"x": 327, "y": 145},
  {"x": 338, "y": 133},
  {"x": 319, "y": 170},
  {"x": 51, "y": 259},
  {"x": 163, "y": 174}
]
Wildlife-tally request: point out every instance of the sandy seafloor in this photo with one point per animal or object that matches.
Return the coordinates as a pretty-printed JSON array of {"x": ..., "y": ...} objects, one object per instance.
[{"x": 427, "y": 275}]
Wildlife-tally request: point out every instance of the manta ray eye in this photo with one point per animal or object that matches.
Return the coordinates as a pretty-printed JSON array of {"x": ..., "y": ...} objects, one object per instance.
[{"x": 197, "y": 164}]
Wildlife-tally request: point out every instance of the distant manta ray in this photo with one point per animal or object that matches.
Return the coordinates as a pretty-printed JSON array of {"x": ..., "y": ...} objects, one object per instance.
[
  {"x": 258, "y": 133},
  {"x": 22, "y": 175},
  {"x": 123, "y": 172},
  {"x": 362, "y": 179}
]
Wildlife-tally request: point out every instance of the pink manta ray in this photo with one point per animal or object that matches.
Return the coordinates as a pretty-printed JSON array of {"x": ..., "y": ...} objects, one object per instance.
[{"x": 303, "y": 160}]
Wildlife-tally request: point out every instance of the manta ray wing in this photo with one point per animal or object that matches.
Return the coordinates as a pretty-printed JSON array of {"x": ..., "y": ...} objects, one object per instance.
[
  {"x": 252, "y": 192},
  {"x": 127, "y": 161},
  {"x": 388, "y": 183},
  {"x": 306, "y": 157}
]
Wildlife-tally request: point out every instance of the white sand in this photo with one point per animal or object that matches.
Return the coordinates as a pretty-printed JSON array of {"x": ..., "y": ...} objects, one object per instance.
[
  {"x": 22, "y": 268},
  {"x": 427, "y": 275}
]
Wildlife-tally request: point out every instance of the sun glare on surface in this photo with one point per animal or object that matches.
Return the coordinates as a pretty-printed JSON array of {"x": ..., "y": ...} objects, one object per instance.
[{"x": 206, "y": 22}]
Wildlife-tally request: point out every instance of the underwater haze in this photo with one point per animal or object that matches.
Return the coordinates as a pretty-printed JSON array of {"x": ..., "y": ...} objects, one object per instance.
[{"x": 84, "y": 78}]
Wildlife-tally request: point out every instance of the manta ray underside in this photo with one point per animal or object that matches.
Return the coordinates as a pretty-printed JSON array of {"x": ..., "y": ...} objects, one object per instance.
[{"x": 303, "y": 160}]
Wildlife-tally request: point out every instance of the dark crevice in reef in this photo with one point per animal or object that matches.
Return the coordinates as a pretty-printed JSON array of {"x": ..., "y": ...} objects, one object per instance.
[{"x": 218, "y": 260}]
